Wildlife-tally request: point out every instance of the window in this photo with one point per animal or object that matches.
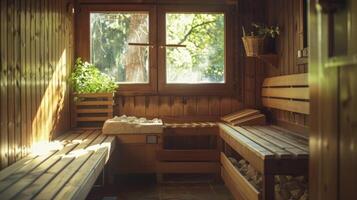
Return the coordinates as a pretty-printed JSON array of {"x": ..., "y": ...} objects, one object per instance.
[
  {"x": 198, "y": 56},
  {"x": 160, "y": 49},
  {"x": 115, "y": 45}
]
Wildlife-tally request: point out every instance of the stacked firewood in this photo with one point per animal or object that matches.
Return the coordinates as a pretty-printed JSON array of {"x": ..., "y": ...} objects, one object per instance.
[{"x": 286, "y": 187}]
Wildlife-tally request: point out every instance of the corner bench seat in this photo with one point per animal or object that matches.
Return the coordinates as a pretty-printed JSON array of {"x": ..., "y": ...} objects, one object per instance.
[
  {"x": 67, "y": 172},
  {"x": 271, "y": 150}
]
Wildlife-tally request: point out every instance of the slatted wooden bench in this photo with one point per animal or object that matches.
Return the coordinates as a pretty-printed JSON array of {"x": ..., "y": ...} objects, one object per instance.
[
  {"x": 289, "y": 93},
  {"x": 185, "y": 161},
  {"x": 66, "y": 172},
  {"x": 271, "y": 150}
]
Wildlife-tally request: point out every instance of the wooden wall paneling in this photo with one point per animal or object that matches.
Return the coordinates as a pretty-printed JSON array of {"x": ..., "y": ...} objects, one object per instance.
[
  {"x": 29, "y": 66},
  {"x": 177, "y": 106},
  {"x": 4, "y": 87},
  {"x": 190, "y": 106},
  {"x": 291, "y": 38},
  {"x": 39, "y": 69},
  {"x": 202, "y": 106},
  {"x": 348, "y": 129},
  {"x": 226, "y": 106},
  {"x": 128, "y": 108},
  {"x": 36, "y": 69},
  {"x": 11, "y": 81},
  {"x": 214, "y": 106},
  {"x": 119, "y": 106},
  {"x": 51, "y": 55},
  {"x": 34, "y": 72},
  {"x": 139, "y": 106},
  {"x": 152, "y": 106},
  {"x": 23, "y": 98},
  {"x": 164, "y": 106},
  {"x": 236, "y": 104},
  {"x": 289, "y": 18},
  {"x": 259, "y": 77},
  {"x": 249, "y": 86}
]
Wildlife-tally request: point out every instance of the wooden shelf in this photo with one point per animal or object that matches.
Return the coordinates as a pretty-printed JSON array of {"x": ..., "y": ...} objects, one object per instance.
[{"x": 270, "y": 59}]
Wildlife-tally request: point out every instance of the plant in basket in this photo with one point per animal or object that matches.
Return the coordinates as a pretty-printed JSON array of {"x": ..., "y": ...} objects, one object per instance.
[
  {"x": 259, "y": 39},
  {"x": 93, "y": 93},
  {"x": 86, "y": 78}
]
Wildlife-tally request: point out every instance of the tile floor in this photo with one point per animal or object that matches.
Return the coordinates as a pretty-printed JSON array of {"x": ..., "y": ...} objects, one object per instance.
[{"x": 144, "y": 188}]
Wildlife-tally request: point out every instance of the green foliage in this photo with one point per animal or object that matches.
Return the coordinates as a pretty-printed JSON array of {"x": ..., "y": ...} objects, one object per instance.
[
  {"x": 202, "y": 61},
  {"x": 263, "y": 30},
  {"x": 86, "y": 78}
]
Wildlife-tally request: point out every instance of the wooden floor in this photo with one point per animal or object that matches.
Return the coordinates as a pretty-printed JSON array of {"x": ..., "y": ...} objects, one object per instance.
[
  {"x": 143, "y": 188},
  {"x": 67, "y": 170}
]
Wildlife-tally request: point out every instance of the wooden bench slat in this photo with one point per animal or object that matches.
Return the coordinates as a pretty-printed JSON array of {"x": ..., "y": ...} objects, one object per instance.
[
  {"x": 21, "y": 172},
  {"x": 240, "y": 114},
  {"x": 91, "y": 119},
  {"x": 88, "y": 173},
  {"x": 94, "y": 103},
  {"x": 240, "y": 183},
  {"x": 28, "y": 159},
  {"x": 286, "y": 131},
  {"x": 288, "y": 105},
  {"x": 264, "y": 143},
  {"x": 289, "y": 93},
  {"x": 95, "y": 95},
  {"x": 252, "y": 152},
  {"x": 288, "y": 138},
  {"x": 54, "y": 170},
  {"x": 62, "y": 178},
  {"x": 187, "y": 155},
  {"x": 250, "y": 120},
  {"x": 287, "y": 80},
  {"x": 94, "y": 111},
  {"x": 276, "y": 141},
  {"x": 17, "y": 165},
  {"x": 22, "y": 183}
]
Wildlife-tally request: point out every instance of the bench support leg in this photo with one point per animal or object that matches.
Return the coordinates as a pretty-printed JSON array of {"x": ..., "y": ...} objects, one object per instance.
[{"x": 268, "y": 187}]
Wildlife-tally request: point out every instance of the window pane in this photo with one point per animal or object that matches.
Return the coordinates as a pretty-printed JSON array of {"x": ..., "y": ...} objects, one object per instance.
[
  {"x": 202, "y": 60},
  {"x": 110, "y": 36}
]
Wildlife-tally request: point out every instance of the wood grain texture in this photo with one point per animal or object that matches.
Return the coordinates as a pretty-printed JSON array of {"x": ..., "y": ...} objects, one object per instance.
[
  {"x": 288, "y": 15},
  {"x": 36, "y": 58},
  {"x": 189, "y": 107}
]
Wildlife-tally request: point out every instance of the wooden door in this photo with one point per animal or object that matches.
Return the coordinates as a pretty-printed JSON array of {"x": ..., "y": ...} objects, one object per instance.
[{"x": 333, "y": 83}]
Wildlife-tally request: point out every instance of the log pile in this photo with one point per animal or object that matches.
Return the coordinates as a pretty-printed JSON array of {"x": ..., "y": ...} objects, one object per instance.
[{"x": 286, "y": 187}]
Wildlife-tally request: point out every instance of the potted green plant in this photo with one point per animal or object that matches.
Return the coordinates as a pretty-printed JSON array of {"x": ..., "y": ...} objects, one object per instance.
[
  {"x": 255, "y": 43},
  {"x": 93, "y": 94}
]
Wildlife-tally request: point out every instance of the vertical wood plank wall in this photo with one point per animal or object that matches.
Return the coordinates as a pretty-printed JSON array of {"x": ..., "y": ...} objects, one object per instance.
[
  {"x": 36, "y": 58},
  {"x": 288, "y": 16}
]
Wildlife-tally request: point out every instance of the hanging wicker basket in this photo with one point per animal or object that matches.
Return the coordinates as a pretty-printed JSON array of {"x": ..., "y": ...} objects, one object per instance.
[{"x": 253, "y": 45}]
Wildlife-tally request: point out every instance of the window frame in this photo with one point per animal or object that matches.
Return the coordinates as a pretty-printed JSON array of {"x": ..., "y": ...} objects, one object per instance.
[
  {"x": 157, "y": 36},
  {"x": 83, "y": 38},
  {"x": 200, "y": 88}
]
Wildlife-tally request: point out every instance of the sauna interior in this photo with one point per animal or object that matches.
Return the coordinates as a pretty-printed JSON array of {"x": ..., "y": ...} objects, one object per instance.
[{"x": 178, "y": 99}]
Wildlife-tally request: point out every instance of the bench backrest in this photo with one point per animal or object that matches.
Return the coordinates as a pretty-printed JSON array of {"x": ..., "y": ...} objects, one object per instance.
[{"x": 290, "y": 93}]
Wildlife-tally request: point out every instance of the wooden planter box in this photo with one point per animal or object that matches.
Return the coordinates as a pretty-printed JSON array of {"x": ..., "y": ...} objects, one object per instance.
[{"x": 91, "y": 110}]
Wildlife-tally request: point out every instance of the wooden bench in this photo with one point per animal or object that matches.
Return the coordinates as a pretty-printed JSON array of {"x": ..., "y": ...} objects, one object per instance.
[
  {"x": 271, "y": 150},
  {"x": 289, "y": 93},
  {"x": 68, "y": 171},
  {"x": 202, "y": 160}
]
